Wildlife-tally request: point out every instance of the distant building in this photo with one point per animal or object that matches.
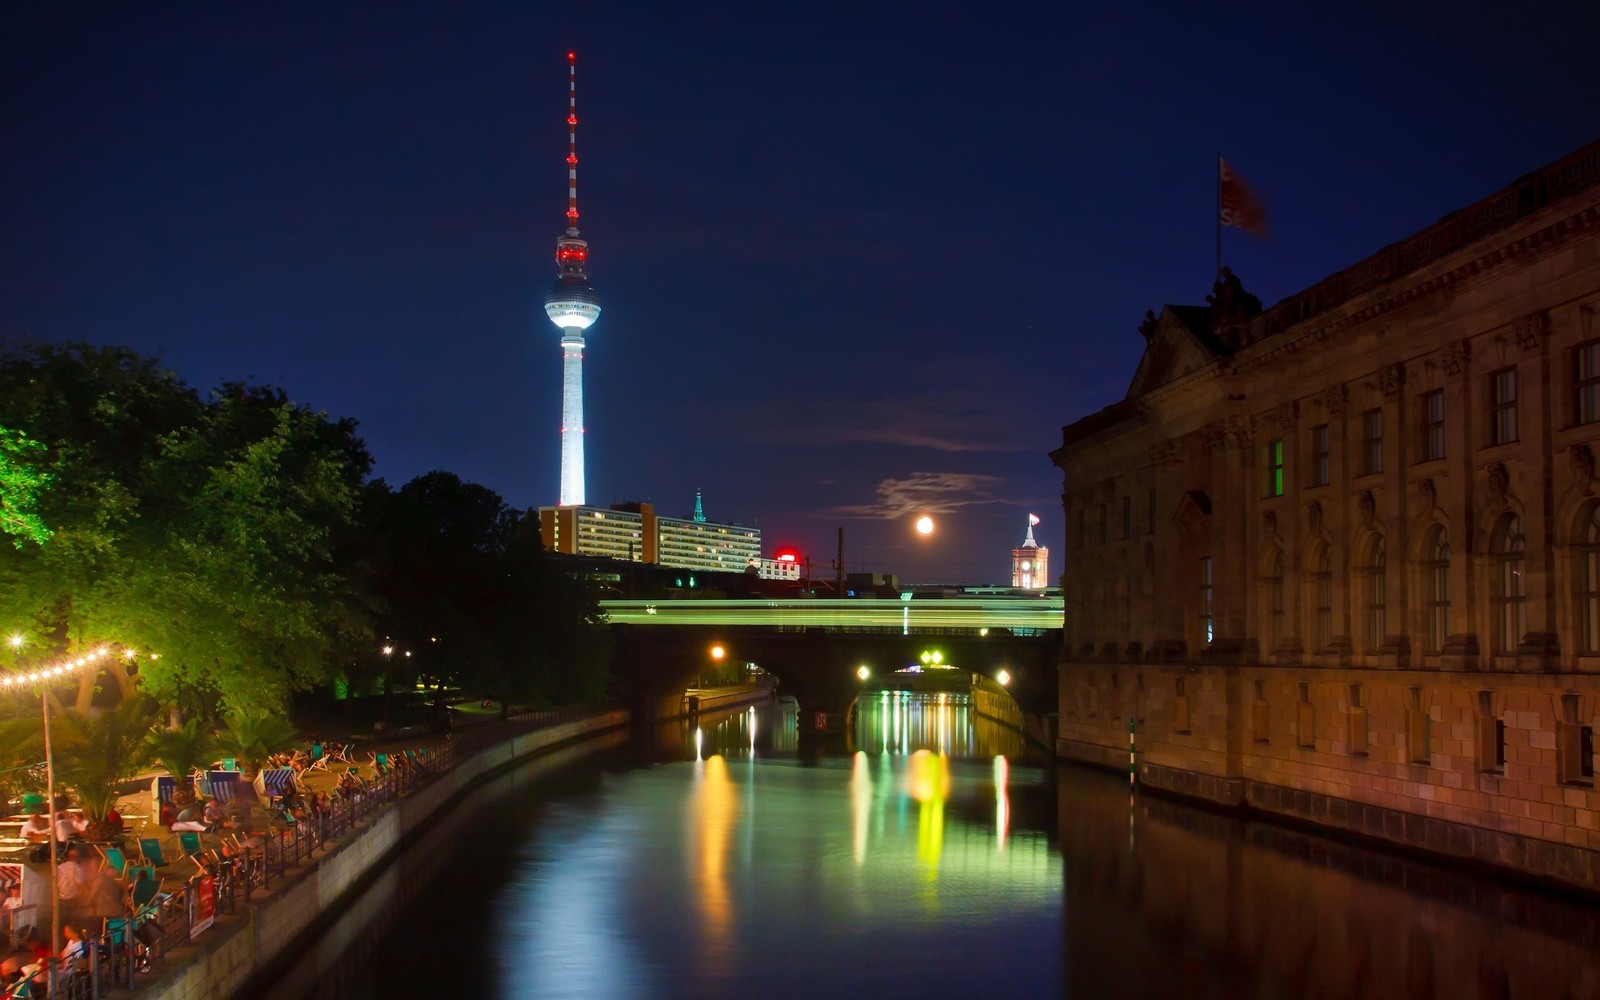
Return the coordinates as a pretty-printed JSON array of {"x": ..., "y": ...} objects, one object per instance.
[
  {"x": 1340, "y": 558},
  {"x": 1030, "y": 562},
  {"x": 633, "y": 532},
  {"x": 781, "y": 568}
]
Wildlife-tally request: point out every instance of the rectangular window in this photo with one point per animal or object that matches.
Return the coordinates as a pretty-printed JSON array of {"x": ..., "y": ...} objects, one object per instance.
[
  {"x": 1305, "y": 719},
  {"x": 1127, "y": 517},
  {"x": 1586, "y": 388},
  {"x": 1275, "y": 468},
  {"x": 1100, "y": 516},
  {"x": 1575, "y": 753},
  {"x": 1418, "y": 729},
  {"x": 1321, "y": 464},
  {"x": 1206, "y": 593},
  {"x": 1433, "y": 425},
  {"x": 1258, "y": 714},
  {"x": 1079, "y": 532},
  {"x": 1371, "y": 442},
  {"x": 1503, "y": 406},
  {"x": 1180, "y": 707},
  {"x": 1358, "y": 722},
  {"x": 1491, "y": 736}
]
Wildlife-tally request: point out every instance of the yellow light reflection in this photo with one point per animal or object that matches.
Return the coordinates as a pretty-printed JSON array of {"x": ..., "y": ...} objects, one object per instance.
[
  {"x": 929, "y": 783},
  {"x": 860, "y": 804},
  {"x": 712, "y": 818},
  {"x": 1002, "y": 801}
]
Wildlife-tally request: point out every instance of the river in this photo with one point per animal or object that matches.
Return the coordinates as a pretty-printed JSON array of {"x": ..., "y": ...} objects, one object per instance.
[{"x": 922, "y": 855}]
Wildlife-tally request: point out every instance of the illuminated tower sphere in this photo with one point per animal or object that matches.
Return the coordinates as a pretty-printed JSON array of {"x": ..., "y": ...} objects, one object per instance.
[
  {"x": 1030, "y": 562},
  {"x": 573, "y": 306}
]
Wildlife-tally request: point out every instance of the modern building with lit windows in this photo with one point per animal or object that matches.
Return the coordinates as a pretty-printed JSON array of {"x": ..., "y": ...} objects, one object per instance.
[
  {"x": 1339, "y": 558},
  {"x": 634, "y": 532}
]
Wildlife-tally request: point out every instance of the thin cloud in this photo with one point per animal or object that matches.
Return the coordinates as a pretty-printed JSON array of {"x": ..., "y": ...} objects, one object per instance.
[
  {"x": 949, "y": 422},
  {"x": 925, "y": 493}
]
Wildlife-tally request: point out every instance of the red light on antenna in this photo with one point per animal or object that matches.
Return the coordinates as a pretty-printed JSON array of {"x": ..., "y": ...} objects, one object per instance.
[
  {"x": 572, "y": 56},
  {"x": 572, "y": 119}
]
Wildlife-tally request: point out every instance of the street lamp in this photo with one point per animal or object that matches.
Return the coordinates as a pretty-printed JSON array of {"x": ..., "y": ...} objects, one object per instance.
[
  {"x": 16, "y": 641},
  {"x": 1004, "y": 677},
  {"x": 863, "y": 672}
]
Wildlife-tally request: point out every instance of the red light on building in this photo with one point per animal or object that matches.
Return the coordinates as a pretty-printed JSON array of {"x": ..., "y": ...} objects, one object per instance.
[{"x": 788, "y": 556}]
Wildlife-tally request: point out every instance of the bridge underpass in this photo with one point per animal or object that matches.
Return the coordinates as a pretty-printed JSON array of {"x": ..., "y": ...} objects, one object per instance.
[{"x": 815, "y": 647}]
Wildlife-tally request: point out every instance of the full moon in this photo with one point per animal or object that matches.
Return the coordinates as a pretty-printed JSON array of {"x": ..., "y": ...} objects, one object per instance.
[{"x": 924, "y": 525}]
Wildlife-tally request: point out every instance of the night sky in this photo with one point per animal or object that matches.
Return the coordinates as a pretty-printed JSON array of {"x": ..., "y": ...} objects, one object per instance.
[{"x": 857, "y": 262}]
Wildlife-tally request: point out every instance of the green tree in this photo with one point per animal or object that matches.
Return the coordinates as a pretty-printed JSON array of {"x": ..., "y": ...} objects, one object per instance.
[
  {"x": 21, "y": 483},
  {"x": 218, "y": 538}
]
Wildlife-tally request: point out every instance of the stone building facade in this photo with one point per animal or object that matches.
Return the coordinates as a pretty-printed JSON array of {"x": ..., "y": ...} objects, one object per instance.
[{"x": 1340, "y": 558}]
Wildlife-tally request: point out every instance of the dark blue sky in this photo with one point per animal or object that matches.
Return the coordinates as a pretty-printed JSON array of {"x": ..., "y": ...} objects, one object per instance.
[{"x": 857, "y": 260}]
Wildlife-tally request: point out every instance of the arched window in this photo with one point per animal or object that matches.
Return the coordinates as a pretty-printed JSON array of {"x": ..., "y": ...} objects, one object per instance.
[
  {"x": 1376, "y": 595},
  {"x": 1322, "y": 593},
  {"x": 1436, "y": 587},
  {"x": 1589, "y": 580},
  {"x": 1510, "y": 584},
  {"x": 1275, "y": 601}
]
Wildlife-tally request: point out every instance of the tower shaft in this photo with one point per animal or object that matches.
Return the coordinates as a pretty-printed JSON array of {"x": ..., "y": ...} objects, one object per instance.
[{"x": 572, "y": 419}]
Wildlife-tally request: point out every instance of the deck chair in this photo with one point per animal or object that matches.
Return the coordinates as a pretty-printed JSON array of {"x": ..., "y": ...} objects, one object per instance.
[
  {"x": 150, "y": 848},
  {"x": 190, "y": 841},
  {"x": 114, "y": 859},
  {"x": 144, "y": 889}
]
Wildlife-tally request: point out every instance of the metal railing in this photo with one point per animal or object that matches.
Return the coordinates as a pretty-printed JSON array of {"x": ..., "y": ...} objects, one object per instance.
[{"x": 133, "y": 948}]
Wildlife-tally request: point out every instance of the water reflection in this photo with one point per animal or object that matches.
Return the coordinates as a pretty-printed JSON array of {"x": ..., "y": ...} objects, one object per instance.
[
  {"x": 1207, "y": 905},
  {"x": 901, "y": 722}
]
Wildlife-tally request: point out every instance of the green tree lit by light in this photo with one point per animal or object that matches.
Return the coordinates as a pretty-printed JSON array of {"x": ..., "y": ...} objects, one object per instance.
[{"x": 21, "y": 483}]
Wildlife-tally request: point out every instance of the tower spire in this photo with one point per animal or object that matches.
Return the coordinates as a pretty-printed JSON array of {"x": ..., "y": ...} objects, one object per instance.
[
  {"x": 572, "y": 306},
  {"x": 572, "y": 144}
]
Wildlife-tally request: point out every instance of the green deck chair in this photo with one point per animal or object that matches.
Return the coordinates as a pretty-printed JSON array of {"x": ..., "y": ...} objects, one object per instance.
[
  {"x": 150, "y": 847},
  {"x": 190, "y": 842},
  {"x": 115, "y": 859}
]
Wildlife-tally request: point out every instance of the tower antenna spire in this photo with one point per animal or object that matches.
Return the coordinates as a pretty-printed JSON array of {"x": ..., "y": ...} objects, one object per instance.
[{"x": 572, "y": 143}]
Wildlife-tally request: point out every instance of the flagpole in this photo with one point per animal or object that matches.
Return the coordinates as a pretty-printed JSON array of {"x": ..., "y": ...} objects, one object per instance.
[{"x": 1218, "y": 219}]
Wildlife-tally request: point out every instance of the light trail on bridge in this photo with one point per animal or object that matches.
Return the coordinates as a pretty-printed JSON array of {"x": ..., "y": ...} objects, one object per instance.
[{"x": 975, "y": 614}]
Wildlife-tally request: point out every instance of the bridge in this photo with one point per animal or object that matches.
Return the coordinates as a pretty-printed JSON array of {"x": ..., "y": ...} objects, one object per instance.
[
  {"x": 908, "y": 616},
  {"x": 816, "y": 646}
]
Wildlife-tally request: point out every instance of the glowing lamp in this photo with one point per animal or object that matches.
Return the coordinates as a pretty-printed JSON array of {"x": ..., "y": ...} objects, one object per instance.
[
  {"x": 1004, "y": 677},
  {"x": 717, "y": 652},
  {"x": 863, "y": 672}
]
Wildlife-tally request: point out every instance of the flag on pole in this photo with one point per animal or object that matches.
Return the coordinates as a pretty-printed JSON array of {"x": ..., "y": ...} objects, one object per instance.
[
  {"x": 1237, "y": 204},
  {"x": 1033, "y": 520}
]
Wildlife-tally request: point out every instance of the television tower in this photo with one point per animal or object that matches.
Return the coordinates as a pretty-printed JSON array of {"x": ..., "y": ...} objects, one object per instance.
[{"x": 573, "y": 306}]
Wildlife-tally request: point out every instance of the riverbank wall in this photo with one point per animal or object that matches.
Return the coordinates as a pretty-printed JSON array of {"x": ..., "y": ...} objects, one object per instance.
[
  {"x": 1487, "y": 768},
  {"x": 259, "y": 934}
]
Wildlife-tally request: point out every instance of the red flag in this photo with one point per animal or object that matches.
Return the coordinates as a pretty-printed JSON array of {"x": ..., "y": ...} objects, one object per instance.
[{"x": 1238, "y": 203}]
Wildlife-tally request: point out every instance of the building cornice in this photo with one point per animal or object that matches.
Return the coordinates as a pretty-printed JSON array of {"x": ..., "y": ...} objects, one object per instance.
[{"x": 1289, "y": 342}]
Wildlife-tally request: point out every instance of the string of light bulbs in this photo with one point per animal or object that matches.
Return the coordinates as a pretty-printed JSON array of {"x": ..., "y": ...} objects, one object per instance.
[{"x": 63, "y": 668}]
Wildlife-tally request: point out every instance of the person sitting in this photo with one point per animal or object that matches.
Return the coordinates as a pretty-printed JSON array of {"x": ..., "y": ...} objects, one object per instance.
[
  {"x": 114, "y": 823},
  {"x": 189, "y": 820},
  {"x": 74, "y": 946},
  {"x": 168, "y": 815},
  {"x": 36, "y": 828},
  {"x": 212, "y": 812}
]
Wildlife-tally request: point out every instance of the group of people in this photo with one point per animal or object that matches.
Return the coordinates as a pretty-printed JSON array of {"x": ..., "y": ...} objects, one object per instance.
[
  {"x": 28, "y": 961},
  {"x": 204, "y": 815}
]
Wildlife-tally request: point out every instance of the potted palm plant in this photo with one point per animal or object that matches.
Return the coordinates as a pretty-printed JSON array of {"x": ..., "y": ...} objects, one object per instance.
[
  {"x": 95, "y": 754},
  {"x": 251, "y": 739},
  {"x": 183, "y": 751}
]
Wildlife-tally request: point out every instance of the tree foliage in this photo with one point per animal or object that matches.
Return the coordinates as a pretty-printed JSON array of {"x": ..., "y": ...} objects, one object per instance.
[
  {"x": 21, "y": 482},
  {"x": 235, "y": 544},
  {"x": 210, "y": 533}
]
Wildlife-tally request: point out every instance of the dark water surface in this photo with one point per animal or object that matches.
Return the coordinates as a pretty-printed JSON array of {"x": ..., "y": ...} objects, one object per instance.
[{"x": 919, "y": 857}]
